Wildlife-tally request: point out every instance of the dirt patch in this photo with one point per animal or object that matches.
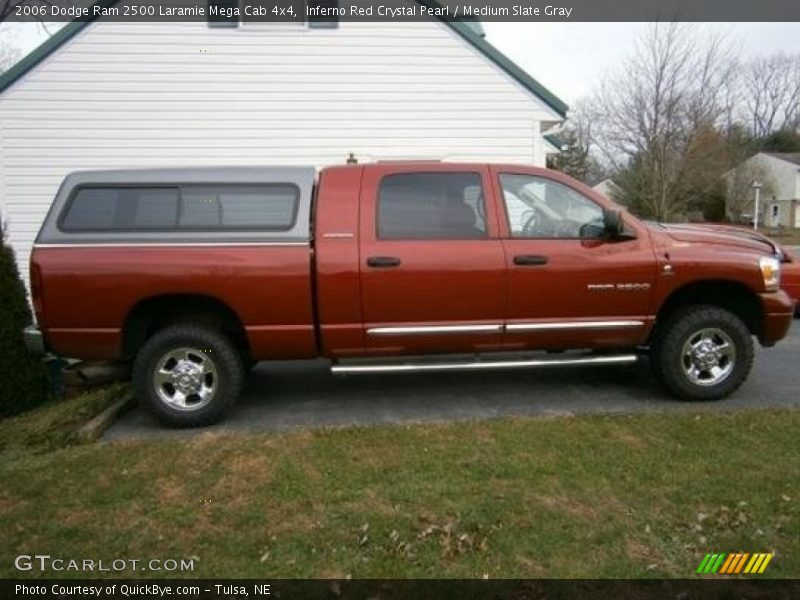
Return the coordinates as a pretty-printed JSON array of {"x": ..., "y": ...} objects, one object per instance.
[
  {"x": 629, "y": 439},
  {"x": 9, "y": 503},
  {"x": 531, "y": 568},
  {"x": 372, "y": 502},
  {"x": 74, "y": 517},
  {"x": 570, "y": 506},
  {"x": 636, "y": 550},
  {"x": 171, "y": 490}
]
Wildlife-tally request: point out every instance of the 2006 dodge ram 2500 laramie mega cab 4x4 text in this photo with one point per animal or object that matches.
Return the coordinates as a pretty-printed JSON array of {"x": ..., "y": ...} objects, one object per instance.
[{"x": 195, "y": 274}]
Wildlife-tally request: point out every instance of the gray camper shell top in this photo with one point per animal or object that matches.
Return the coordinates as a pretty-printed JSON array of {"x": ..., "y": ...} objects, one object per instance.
[{"x": 253, "y": 205}]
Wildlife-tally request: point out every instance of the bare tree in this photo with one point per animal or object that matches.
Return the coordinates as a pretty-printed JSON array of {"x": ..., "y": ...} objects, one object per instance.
[
  {"x": 770, "y": 88},
  {"x": 740, "y": 196},
  {"x": 656, "y": 119},
  {"x": 8, "y": 8},
  {"x": 576, "y": 156},
  {"x": 9, "y": 53}
]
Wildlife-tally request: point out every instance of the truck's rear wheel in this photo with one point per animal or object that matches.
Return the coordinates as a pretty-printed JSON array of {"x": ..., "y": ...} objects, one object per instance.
[
  {"x": 188, "y": 375},
  {"x": 702, "y": 353}
]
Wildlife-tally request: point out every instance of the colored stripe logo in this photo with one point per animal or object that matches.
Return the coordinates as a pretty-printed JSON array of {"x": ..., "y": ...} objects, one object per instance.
[{"x": 734, "y": 563}]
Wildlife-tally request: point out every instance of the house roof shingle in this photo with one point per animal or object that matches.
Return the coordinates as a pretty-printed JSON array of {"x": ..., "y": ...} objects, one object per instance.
[{"x": 792, "y": 157}]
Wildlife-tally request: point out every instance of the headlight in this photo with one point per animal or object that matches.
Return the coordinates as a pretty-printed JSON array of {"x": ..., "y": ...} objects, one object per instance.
[{"x": 771, "y": 271}]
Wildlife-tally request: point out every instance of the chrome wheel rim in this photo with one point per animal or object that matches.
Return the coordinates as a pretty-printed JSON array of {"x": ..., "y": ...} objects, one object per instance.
[
  {"x": 708, "y": 356},
  {"x": 186, "y": 379}
]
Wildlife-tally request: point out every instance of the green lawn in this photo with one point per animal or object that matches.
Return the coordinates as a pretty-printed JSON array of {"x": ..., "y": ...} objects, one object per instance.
[{"x": 600, "y": 496}]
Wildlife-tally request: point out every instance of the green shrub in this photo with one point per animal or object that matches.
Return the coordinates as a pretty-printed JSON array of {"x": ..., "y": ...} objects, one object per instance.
[{"x": 23, "y": 379}]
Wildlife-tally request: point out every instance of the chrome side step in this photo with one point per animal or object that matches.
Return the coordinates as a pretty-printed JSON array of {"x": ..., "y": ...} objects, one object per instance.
[{"x": 616, "y": 359}]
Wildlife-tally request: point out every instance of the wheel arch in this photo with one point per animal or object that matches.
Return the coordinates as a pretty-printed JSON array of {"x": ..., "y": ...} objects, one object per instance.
[
  {"x": 152, "y": 314},
  {"x": 723, "y": 293}
]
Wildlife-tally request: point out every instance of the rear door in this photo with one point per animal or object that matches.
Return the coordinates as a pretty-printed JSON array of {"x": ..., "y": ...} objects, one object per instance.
[{"x": 431, "y": 264}]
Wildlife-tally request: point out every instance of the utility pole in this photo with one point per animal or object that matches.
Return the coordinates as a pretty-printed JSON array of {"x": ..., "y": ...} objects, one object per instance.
[{"x": 757, "y": 185}]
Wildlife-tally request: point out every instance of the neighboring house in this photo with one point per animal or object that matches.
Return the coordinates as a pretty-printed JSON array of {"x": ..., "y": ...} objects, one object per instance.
[
  {"x": 779, "y": 174},
  {"x": 102, "y": 94},
  {"x": 552, "y": 145}
]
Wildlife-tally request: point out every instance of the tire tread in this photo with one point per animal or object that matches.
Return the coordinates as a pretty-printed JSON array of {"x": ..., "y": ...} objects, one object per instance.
[
  {"x": 229, "y": 361},
  {"x": 671, "y": 335}
]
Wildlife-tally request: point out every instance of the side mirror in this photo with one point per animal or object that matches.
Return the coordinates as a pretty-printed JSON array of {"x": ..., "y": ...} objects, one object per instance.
[{"x": 612, "y": 219}]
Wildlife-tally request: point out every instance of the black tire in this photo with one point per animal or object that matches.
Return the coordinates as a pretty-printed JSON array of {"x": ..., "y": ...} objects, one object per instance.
[
  {"x": 680, "y": 373},
  {"x": 248, "y": 362},
  {"x": 204, "y": 360}
]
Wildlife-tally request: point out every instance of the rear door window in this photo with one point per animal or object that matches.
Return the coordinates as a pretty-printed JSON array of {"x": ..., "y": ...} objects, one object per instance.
[{"x": 431, "y": 206}]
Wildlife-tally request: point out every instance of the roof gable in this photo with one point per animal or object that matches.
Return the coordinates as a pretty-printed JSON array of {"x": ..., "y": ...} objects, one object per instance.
[
  {"x": 767, "y": 160},
  {"x": 463, "y": 29},
  {"x": 790, "y": 157}
]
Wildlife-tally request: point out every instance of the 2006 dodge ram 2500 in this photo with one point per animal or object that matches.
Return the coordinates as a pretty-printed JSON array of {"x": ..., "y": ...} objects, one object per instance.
[{"x": 195, "y": 274}]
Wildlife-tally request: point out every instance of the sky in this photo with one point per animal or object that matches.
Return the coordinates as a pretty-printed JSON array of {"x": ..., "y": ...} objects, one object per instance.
[{"x": 569, "y": 58}]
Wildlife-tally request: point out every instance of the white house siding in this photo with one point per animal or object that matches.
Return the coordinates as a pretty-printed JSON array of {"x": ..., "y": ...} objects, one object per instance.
[
  {"x": 784, "y": 175},
  {"x": 781, "y": 180},
  {"x": 782, "y": 193},
  {"x": 121, "y": 95}
]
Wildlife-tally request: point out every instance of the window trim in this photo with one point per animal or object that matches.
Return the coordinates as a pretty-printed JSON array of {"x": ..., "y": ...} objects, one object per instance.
[
  {"x": 502, "y": 199},
  {"x": 486, "y": 234},
  {"x": 177, "y": 228}
]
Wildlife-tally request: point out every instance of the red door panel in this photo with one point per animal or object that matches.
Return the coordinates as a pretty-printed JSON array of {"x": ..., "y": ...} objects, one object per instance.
[
  {"x": 565, "y": 291},
  {"x": 586, "y": 294},
  {"x": 429, "y": 295}
]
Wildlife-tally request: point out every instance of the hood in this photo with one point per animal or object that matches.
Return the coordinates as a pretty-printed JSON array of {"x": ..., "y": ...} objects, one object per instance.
[{"x": 723, "y": 235}]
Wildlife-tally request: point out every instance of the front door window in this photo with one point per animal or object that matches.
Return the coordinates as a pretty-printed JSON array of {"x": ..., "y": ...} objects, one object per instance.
[{"x": 542, "y": 208}]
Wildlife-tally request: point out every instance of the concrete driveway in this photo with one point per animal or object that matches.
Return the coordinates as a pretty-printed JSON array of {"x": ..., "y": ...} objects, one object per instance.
[{"x": 287, "y": 395}]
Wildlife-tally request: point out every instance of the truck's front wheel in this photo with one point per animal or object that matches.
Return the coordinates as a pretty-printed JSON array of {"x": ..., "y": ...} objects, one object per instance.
[
  {"x": 188, "y": 375},
  {"x": 702, "y": 353}
]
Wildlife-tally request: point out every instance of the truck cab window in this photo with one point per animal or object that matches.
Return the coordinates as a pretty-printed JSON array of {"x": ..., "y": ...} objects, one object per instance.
[
  {"x": 431, "y": 206},
  {"x": 542, "y": 208}
]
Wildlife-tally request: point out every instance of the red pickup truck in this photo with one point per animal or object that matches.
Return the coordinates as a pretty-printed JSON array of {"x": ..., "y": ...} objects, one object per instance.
[{"x": 195, "y": 274}]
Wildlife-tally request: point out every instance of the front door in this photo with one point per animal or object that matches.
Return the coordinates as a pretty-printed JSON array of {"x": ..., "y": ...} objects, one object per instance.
[
  {"x": 775, "y": 215},
  {"x": 568, "y": 286},
  {"x": 432, "y": 267}
]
